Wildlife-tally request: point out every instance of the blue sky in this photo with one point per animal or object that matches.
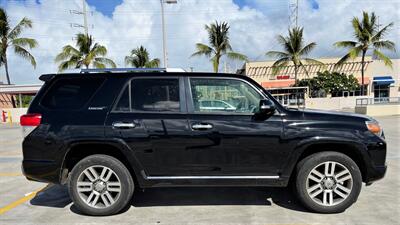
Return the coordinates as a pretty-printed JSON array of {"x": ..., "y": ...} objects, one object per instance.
[
  {"x": 108, "y": 8},
  {"x": 122, "y": 25}
]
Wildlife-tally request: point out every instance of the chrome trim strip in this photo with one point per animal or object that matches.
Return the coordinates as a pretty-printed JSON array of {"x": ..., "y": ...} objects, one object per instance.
[{"x": 205, "y": 177}]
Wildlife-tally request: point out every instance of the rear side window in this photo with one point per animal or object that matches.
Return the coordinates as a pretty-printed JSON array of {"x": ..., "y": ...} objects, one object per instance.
[
  {"x": 71, "y": 93},
  {"x": 152, "y": 95}
]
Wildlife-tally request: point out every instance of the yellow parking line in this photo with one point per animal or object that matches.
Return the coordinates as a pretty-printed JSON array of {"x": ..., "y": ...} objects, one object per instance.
[
  {"x": 19, "y": 201},
  {"x": 10, "y": 174}
]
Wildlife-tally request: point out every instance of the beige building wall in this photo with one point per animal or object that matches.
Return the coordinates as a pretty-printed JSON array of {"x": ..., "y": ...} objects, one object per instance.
[{"x": 262, "y": 72}]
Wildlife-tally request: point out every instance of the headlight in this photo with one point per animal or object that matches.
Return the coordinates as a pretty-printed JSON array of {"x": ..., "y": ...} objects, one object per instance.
[{"x": 374, "y": 127}]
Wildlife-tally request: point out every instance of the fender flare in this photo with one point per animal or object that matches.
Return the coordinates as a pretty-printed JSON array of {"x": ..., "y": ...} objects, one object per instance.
[
  {"x": 117, "y": 143},
  {"x": 300, "y": 148}
]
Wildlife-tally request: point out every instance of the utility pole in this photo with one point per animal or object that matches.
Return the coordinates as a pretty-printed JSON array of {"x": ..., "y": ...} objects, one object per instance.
[
  {"x": 85, "y": 23},
  {"x": 294, "y": 13},
  {"x": 165, "y": 60},
  {"x": 164, "y": 41},
  {"x": 85, "y": 20}
]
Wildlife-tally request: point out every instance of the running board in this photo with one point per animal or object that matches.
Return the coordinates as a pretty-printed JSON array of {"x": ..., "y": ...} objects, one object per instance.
[{"x": 204, "y": 177}]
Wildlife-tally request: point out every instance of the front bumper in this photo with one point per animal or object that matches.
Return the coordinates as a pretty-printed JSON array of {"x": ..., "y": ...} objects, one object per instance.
[
  {"x": 375, "y": 174},
  {"x": 376, "y": 162}
]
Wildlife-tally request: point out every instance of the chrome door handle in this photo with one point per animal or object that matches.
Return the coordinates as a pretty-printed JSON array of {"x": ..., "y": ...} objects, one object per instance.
[
  {"x": 200, "y": 126},
  {"x": 122, "y": 125}
]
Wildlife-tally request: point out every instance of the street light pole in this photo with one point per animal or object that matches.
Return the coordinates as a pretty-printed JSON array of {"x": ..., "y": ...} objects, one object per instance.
[{"x": 165, "y": 53}]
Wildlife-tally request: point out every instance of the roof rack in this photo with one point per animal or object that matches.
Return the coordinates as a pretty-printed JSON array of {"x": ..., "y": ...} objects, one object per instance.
[{"x": 118, "y": 70}]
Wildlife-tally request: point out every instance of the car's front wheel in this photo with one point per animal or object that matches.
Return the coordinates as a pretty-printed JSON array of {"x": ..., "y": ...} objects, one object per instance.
[
  {"x": 328, "y": 182},
  {"x": 100, "y": 185}
]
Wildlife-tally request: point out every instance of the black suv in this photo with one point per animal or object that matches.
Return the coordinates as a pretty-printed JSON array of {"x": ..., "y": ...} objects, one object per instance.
[{"x": 105, "y": 133}]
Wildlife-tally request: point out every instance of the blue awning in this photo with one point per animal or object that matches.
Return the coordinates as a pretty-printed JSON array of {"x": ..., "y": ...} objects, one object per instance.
[{"x": 383, "y": 80}]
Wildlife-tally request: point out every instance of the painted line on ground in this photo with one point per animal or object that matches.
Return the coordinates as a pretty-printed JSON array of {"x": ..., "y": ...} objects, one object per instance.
[
  {"x": 10, "y": 174},
  {"x": 20, "y": 201}
]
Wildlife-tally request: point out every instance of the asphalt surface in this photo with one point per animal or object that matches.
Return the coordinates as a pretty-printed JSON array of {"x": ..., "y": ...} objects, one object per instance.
[{"x": 26, "y": 202}]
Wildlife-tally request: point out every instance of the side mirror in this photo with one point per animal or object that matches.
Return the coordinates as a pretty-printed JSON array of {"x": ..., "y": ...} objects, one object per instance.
[{"x": 267, "y": 107}]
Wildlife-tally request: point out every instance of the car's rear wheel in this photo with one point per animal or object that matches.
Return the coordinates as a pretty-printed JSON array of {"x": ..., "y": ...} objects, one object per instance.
[
  {"x": 100, "y": 185},
  {"x": 328, "y": 182}
]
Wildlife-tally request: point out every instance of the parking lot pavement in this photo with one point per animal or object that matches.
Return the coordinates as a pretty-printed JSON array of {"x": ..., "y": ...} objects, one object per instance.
[{"x": 20, "y": 204}]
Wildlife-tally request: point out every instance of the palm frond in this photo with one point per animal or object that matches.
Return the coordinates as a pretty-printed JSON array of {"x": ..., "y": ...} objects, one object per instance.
[
  {"x": 280, "y": 64},
  {"x": 4, "y": 23},
  {"x": 389, "y": 45},
  {"x": 19, "y": 50},
  {"x": 345, "y": 44},
  {"x": 105, "y": 61},
  {"x": 99, "y": 50},
  {"x": 381, "y": 33},
  {"x": 313, "y": 61},
  {"x": 25, "y": 42},
  {"x": 203, "y": 49},
  {"x": 357, "y": 28},
  {"x": 277, "y": 54},
  {"x": 236, "y": 56},
  {"x": 16, "y": 31},
  {"x": 153, "y": 63},
  {"x": 307, "y": 49},
  {"x": 73, "y": 62},
  {"x": 129, "y": 60},
  {"x": 98, "y": 65},
  {"x": 383, "y": 57},
  {"x": 342, "y": 60},
  {"x": 67, "y": 52},
  {"x": 355, "y": 52}
]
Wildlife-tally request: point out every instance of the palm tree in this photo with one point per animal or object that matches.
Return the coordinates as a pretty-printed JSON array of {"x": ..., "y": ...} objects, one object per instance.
[
  {"x": 218, "y": 36},
  {"x": 88, "y": 53},
  {"x": 368, "y": 36},
  {"x": 295, "y": 51},
  {"x": 140, "y": 58},
  {"x": 10, "y": 38}
]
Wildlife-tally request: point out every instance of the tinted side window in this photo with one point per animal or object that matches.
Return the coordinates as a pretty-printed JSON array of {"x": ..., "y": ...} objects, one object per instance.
[
  {"x": 155, "y": 95},
  {"x": 70, "y": 93},
  {"x": 124, "y": 101},
  {"x": 150, "y": 95},
  {"x": 225, "y": 95}
]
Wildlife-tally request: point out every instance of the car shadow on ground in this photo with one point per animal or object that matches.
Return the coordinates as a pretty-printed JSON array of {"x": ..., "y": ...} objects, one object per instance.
[{"x": 57, "y": 196}]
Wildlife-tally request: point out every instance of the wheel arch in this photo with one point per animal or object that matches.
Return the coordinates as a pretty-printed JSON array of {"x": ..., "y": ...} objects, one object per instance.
[
  {"x": 351, "y": 149},
  {"x": 76, "y": 151}
]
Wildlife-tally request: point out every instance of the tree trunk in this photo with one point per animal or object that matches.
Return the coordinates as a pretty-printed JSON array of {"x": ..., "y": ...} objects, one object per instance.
[
  {"x": 8, "y": 80},
  {"x": 216, "y": 64},
  {"x": 295, "y": 84},
  {"x": 362, "y": 71},
  {"x": 6, "y": 66}
]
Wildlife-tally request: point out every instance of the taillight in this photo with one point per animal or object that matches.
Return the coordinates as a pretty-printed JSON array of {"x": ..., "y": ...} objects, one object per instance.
[
  {"x": 29, "y": 122},
  {"x": 30, "y": 119}
]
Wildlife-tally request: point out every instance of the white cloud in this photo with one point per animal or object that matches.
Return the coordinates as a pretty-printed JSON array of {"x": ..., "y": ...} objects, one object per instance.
[{"x": 138, "y": 22}]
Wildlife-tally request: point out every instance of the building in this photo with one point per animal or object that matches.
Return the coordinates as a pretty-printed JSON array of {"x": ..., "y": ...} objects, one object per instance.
[
  {"x": 380, "y": 81},
  {"x": 7, "y": 92}
]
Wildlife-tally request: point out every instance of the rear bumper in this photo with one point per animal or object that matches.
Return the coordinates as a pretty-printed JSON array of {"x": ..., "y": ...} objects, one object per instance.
[{"x": 41, "y": 170}]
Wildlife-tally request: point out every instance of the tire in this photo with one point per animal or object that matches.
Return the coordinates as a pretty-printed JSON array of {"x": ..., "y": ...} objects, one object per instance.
[
  {"x": 330, "y": 192},
  {"x": 106, "y": 194}
]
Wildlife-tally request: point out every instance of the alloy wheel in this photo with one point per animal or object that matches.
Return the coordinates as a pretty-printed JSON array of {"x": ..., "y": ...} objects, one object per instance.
[
  {"x": 329, "y": 183},
  {"x": 98, "y": 186}
]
